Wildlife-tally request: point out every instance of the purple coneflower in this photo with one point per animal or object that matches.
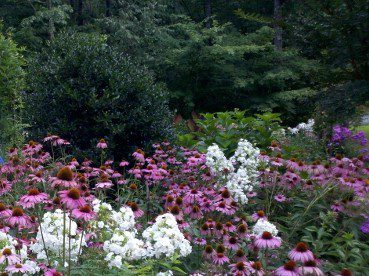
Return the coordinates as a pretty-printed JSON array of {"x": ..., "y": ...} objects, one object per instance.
[
  {"x": 71, "y": 198},
  {"x": 239, "y": 268},
  {"x": 102, "y": 144},
  {"x": 220, "y": 258},
  {"x": 32, "y": 198},
  {"x": 84, "y": 213},
  {"x": 64, "y": 178},
  {"x": 16, "y": 268},
  {"x": 289, "y": 269},
  {"x": 258, "y": 215},
  {"x": 301, "y": 253},
  {"x": 310, "y": 268},
  {"x": 231, "y": 242},
  {"x": 9, "y": 256},
  {"x": 280, "y": 198},
  {"x": 266, "y": 240},
  {"x": 19, "y": 218},
  {"x": 5, "y": 212}
]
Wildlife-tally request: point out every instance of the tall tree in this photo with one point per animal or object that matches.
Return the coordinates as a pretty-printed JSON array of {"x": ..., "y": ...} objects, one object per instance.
[
  {"x": 207, "y": 11},
  {"x": 277, "y": 25}
]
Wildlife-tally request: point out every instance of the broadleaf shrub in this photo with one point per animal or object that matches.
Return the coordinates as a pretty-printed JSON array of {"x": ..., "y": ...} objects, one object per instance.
[{"x": 82, "y": 89}]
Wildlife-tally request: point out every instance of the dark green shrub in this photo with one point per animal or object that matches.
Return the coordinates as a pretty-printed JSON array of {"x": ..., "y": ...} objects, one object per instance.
[
  {"x": 11, "y": 86},
  {"x": 82, "y": 89}
]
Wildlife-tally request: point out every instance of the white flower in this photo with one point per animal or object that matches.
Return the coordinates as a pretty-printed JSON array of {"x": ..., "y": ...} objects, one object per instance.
[
  {"x": 166, "y": 238},
  {"x": 167, "y": 273},
  {"x": 216, "y": 160},
  {"x": 303, "y": 127},
  {"x": 262, "y": 225},
  {"x": 246, "y": 160},
  {"x": 52, "y": 227}
]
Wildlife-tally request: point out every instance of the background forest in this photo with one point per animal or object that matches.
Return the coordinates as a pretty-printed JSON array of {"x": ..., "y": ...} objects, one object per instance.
[{"x": 83, "y": 66}]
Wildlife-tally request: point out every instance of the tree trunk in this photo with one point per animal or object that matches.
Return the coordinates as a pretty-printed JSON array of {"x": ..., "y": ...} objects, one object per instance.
[
  {"x": 79, "y": 12},
  {"x": 207, "y": 10},
  {"x": 107, "y": 8},
  {"x": 51, "y": 28},
  {"x": 277, "y": 28}
]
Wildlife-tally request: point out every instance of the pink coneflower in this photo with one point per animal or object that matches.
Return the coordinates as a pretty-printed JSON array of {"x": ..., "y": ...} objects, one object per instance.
[
  {"x": 301, "y": 253},
  {"x": 72, "y": 198},
  {"x": 7, "y": 255},
  {"x": 280, "y": 198},
  {"x": 266, "y": 240},
  {"x": 240, "y": 256},
  {"x": 208, "y": 252},
  {"x": 85, "y": 212},
  {"x": 102, "y": 144},
  {"x": 5, "y": 186},
  {"x": 310, "y": 268},
  {"x": 242, "y": 230},
  {"x": 5, "y": 212},
  {"x": 251, "y": 194},
  {"x": 231, "y": 242},
  {"x": 64, "y": 178},
  {"x": 104, "y": 183},
  {"x": 4, "y": 228},
  {"x": 192, "y": 196},
  {"x": 139, "y": 155},
  {"x": 123, "y": 163},
  {"x": 224, "y": 208},
  {"x": 337, "y": 207},
  {"x": 229, "y": 226},
  {"x": 289, "y": 269},
  {"x": 255, "y": 268},
  {"x": 220, "y": 259},
  {"x": 239, "y": 268},
  {"x": 19, "y": 218},
  {"x": 258, "y": 215},
  {"x": 53, "y": 272},
  {"x": 345, "y": 272},
  {"x": 200, "y": 241},
  {"x": 135, "y": 209},
  {"x": 196, "y": 212},
  {"x": 32, "y": 198},
  {"x": 16, "y": 268}
]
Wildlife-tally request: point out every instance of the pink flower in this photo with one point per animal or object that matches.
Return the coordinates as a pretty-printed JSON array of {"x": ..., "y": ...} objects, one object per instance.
[
  {"x": 104, "y": 183},
  {"x": 289, "y": 269},
  {"x": 139, "y": 156},
  {"x": 7, "y": 255},
  {"x": 84, "y": 212},
  {"x": 123, "y": 163},
  {"x": 102, "y": 144},
  {"x": 266, "y": 240},
  {"x": 301, "y": 253},
  {"x": 231, "y": 242},
  {"x": 18, "y": 218},
  {"x": 32, "y": 198},
  {"x": 258, "y": 215},
  {"x": 220, "y": 259},
  {"x": 64, "y": 178},
  {"x": 53, "y": 272},
  {"x": 5, "y": 212},
  {"x": 72, "y": 198},
  {"x": 5, "y": 186},
  {"x": 136, "y": 210},
  {"x": 310, "y": 268},
  {"x": 280, "y": 198},
  {"x": 239, "y": 269},
  {"x": 16, "y": 268}
]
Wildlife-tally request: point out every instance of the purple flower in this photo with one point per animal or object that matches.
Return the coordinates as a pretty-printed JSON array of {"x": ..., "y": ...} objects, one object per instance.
[{"x": 365, "y": 227}]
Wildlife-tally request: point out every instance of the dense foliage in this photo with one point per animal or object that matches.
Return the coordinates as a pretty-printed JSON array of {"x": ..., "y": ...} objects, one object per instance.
[
  {"x": 83, "y": 89},
  {"x": 11, "y": 86}
]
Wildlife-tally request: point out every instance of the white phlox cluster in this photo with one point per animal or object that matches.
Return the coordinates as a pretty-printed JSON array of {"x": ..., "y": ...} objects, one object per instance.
[
  {"x": 263, "y": 225},
  {"x": 244, "y": 168},
  {"x": 53, "y": 236},
  {"x": 303, "y": 127},
  {"x": 166, "y": 238}
]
